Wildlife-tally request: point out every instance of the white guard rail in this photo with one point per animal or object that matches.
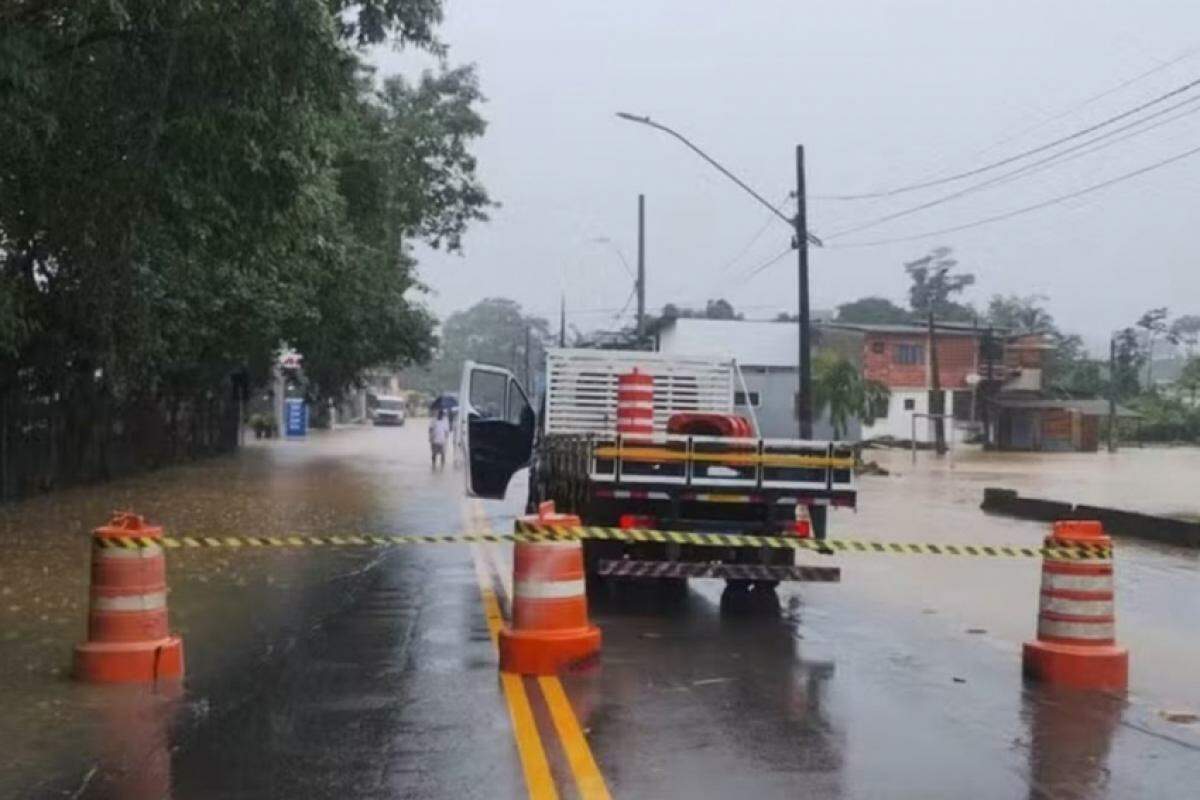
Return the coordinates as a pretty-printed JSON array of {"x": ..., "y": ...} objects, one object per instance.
[{"x": 581, "y": 388}]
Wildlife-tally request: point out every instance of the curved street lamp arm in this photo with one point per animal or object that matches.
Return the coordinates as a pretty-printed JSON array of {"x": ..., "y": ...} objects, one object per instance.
[{"x": 791, "y": 221}]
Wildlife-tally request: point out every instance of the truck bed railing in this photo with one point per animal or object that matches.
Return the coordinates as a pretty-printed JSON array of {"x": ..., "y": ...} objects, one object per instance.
[{"x": 720, "y": 462}]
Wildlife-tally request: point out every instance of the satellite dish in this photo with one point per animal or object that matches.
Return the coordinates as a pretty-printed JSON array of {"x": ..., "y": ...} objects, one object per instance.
[{"x": 973, "y": 379}]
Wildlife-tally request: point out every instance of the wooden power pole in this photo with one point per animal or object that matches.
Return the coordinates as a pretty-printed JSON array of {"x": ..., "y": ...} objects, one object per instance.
[{"x": 937, "y": 405}]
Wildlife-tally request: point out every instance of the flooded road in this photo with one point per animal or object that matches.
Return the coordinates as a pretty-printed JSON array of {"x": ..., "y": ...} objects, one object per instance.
[{"x": 365, "y": 673}]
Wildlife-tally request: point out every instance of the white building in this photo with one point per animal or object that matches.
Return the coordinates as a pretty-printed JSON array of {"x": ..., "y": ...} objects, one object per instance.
[{"x": 767, "y": 354}]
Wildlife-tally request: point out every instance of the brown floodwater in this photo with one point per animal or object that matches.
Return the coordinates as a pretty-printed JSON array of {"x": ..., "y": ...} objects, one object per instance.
[
  {"x": 251, "y": 601},
  {"x": 240, "y": 610}
]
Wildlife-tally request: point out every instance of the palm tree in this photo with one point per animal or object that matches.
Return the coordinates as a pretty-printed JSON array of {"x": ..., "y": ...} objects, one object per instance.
[{"x": 839, "y": 387}]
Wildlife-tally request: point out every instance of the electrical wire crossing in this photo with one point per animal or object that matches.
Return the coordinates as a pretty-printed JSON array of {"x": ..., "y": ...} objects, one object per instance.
[
  {"x": 752, "y": 272},
  {"x": 1187, "y": 87},
  {"x": 1075, "y": 151},
  {"x": 1026, "y": 209},
  {"x": 1186, "y": 54}
]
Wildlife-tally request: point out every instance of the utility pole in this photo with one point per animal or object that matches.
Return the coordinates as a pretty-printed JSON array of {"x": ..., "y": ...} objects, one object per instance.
[
  {"x": 937, "y": 405},
  {"x": 985, "y": 411},
  {"x": 1112, "y": 394},
  {"x": 562, "y": 320},
  {"x": 804, "y": 397},
  {"x": 641, "y": 269},
  {"x": 804, "y": 411}
]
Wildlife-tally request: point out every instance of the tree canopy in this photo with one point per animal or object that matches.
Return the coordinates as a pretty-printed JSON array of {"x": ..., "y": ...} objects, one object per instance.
[
  {"x": 719, "y": 308},
  {"x": 872, "y": 310},
  {"x": 492, "y": 331},
  {"x": 185, "y": 186},
  {"x": 934, "y": 284}
]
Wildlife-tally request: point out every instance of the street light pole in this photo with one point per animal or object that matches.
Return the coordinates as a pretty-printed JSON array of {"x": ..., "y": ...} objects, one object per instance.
[
  {"x": 799, "y": 226},
  {"x": 641, "y": 268}
]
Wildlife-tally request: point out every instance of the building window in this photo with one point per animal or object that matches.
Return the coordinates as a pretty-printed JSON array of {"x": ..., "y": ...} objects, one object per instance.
[
  {"x": 879, "y": 407},
  {"x": 909, "y": 354},
  {"x": 910, "y": 404},
  {"x": 877, "y": 347},
  {"x": 739, "y": 399}
]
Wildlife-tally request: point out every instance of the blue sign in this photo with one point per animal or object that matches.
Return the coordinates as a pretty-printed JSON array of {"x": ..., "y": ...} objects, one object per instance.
[{"x": 295, "y": 414}]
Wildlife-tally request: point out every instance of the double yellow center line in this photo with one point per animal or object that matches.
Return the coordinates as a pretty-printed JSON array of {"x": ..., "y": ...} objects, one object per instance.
[{"x": 589, "y": 782}]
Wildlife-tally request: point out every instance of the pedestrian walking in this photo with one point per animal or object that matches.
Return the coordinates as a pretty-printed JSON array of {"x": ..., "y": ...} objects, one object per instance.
[{"x": 439, "y": 434}]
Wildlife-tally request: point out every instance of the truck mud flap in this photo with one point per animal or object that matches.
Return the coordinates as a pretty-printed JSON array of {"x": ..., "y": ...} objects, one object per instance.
[{"x": 627, "y": 568}]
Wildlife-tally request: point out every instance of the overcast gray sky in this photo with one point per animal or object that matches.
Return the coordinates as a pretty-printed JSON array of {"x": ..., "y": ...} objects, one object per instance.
[{"x": 881, "y": 94}]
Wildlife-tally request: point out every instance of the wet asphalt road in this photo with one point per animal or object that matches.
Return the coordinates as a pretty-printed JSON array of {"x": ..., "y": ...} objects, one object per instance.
[{"x": 357, "y": 673}]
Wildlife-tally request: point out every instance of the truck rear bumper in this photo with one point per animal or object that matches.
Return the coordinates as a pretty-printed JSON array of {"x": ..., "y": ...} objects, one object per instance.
[{"x": 628, "y": 568}]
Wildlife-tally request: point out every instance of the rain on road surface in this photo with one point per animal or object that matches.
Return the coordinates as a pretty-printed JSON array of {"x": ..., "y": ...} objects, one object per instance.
[{"x": 365, "y": 673}]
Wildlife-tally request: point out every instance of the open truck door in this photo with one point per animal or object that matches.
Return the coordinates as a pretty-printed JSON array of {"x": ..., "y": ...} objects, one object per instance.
[{"x": 496, "y": 428}]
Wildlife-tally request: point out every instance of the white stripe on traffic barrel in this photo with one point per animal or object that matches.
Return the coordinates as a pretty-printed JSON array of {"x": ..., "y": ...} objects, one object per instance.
[
  {"x": 548, "y": 590},
  {"x": 1101, "y": 631},
  {"x": 1076, "y": 583},
  {"x": 130, "y": 602},
  {"x": 1077, "y": 608}
]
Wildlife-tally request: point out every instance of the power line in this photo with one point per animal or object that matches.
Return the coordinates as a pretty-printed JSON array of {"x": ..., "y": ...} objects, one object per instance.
[
  {"x": 1025, "y": 210},
  {"x": 746, "y": 276},
  {"x": 625, "y": 307},
  {"x": 1186, "y": 54},
  {"x": 1024, "y": 154},
  {"x": 608, "y": 241},
  {"x": 728, "y": 265},
  {"x": 742, "y": 253},
  {"x": 1036, "y": 166}
]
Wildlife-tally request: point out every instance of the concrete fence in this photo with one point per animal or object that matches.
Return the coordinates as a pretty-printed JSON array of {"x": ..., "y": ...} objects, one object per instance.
[{"x": 1115, "y": 521}]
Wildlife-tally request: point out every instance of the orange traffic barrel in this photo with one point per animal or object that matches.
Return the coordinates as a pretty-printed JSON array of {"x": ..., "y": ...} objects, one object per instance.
[
  {"x": 635, "y": 404},
  {"x": 1076, "y": 642},
  {"x": 549, "y": 629},
  {"x": 128, "y": 640}
]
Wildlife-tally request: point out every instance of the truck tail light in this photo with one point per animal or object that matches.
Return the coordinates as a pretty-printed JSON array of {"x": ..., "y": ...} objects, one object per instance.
[
  {"x": 802, "y": 529},
  {"x": 630, "y": 521}
]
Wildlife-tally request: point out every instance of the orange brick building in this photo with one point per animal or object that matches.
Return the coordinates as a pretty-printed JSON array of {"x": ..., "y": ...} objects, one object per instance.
[{"x": 898, "y": 356}]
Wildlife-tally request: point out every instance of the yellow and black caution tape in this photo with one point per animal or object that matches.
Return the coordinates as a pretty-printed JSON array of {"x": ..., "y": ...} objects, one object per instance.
[{"x": 533, "y": 533}]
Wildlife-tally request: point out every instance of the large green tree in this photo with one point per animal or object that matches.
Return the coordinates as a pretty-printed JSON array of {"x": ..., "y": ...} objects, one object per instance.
[
  {"x": 493, "y": 331},
  {"x": 934, "y": 285},
  {"x": 872, "y": 310},
  {"x": 1186, "y": 330},
  {"x": 1066, "y": 367},
  {"x": 1127, "y": 365},
  {"x": 1154, "y": 326},
  {"x": 186, "y": 185}
]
